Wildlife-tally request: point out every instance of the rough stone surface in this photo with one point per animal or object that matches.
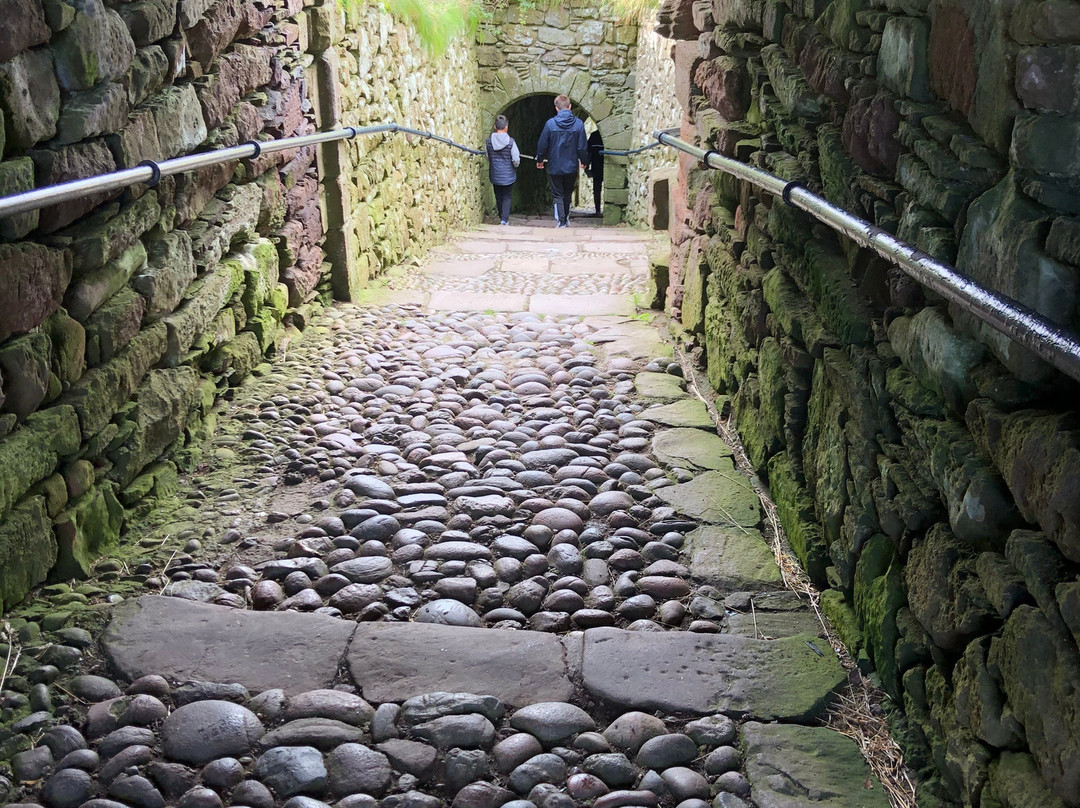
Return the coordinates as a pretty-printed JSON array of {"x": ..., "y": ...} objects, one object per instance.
[
  {"x": 214, "y": 643},
  {"x": 768, "y": 680},
  {"x": 818, "y": 762}
]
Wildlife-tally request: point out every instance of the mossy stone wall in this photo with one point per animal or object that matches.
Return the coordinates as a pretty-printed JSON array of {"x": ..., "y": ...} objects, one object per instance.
[
  {"x": 925, "y": 468},
  {"x": 124, "y": 316}
]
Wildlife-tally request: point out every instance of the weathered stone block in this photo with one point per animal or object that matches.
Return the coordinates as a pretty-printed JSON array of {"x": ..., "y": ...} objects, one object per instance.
[
  {"x": 16, "y": 176},
  {"x": 96, "y": 47},
  {"x": 791, "y": 88},
  {"x": 1015, "y": 781},
  {"x": 952, "y": 56},
  {"x": 156, "y": 419},
  {"x": 1001, "y": 249},
  {"x": 113, "y": 325},
  {"x": 35, "y": 278},
  {"x": 179, "y": 119},
  {"x": 148, "y": 71},
  {"x": 109, "y": 232},
  {"x": 878, "y": 594},
  {"x": 191, "y": 11},
  {"x": 215, "y": 31},
  {"x": 87, "y": 530},
  {"x": 22, "y": 25},
  {"x": 944, "y": 591},
  {"x": 940, "y": 359},
  {"x": 902, "y": 59},
  {"x": 726, "y": 85},
  {"x": 29, "y": 98},
  {"x": 148, "y": 20},
  {"x": 1044, "y": 704},
  {"x": 27, "y": 549},
  {"x": 58, "y": 14},
  {"x": 1039, "y": 458},
  {"x": 32, "y": 452},
  {"x": 68, "y": 348},
  {"x": 169, "y": 270},
  {"x": 101, "y": 392},
  {"x": 1063, "y": 241},
  {"x": 1048, "y": 144},
  {"x": 73, "y": 162},
  {"x": 138, "y": 141},
  {"x": 1048, "y": 78},
  {"x": 206, "y": 297},
  {"x": 25, "y": 368},
  {"x": 234, "y": 212},
  {"x": 100, "y": 111},
  {"x": 260, "y": 275},
  {"x": 89, "y": 292},
  {"x": 1038, "y": 22},
  {"x": 869, "y": 134},
  {"x": 796, "y": 512},
  {"x": 240, "y": 71}
]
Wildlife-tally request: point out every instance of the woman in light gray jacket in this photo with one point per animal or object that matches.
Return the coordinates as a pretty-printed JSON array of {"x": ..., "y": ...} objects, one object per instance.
[{"x": 503, "y": 160}]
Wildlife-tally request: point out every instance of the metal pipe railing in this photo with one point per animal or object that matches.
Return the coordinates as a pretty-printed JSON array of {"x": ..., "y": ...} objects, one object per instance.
[
  {"x": 1025, "y": 326},
  {"x": 150, "y": 172}
]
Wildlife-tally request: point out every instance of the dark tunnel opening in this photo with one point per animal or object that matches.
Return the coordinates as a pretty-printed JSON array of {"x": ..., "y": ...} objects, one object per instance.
[{"x": 532, "y": 194}]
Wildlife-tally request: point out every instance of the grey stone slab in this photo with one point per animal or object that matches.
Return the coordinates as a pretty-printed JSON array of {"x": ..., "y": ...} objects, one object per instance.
[
  {"x": 477, "y": 301},
  {"x": 790, "y": 766},
  {"x": 659, "y": 385},
  {"x": 181, "y": 639},
  {"x": 687, "y": 447},
  {"x": 719, "y": 497},
  {"x": 583, "y": 305},
  {"x": 396, "y": 661},
  {"x": 771, "y": 625},
  {"x": 731, "y": 558},
  {"x": 688, "y": 412},
  {"x": 773, "y": 680}
]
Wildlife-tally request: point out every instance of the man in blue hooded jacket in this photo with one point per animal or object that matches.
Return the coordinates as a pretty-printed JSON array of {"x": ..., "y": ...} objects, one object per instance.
[{"x": 562, "y": 144}]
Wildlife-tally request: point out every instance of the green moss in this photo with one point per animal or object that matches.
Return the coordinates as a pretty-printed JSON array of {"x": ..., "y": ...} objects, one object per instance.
[
  {"x": 843, "y": 619},
  {"x": 878, "y": 595},
  {"x": 796, "y": 512}
]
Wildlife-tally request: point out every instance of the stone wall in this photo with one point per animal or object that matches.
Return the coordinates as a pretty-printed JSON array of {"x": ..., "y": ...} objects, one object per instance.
[
  {"x": 124, "y": 316},
  {"x": 925, "y": 468},
  {"x": 655, "y": 107},
  {"x": 392, "y": 196},
  {"x": 575, "y": 48}
]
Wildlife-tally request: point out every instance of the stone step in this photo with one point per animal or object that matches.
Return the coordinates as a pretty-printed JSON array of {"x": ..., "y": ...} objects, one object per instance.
[{"x": 789, "y": 679}]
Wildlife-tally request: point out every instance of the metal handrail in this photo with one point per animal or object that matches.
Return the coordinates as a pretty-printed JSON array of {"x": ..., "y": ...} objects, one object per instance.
[
  {"x": 1025, "y": 326},
  {"x": 150, "y": 171}
]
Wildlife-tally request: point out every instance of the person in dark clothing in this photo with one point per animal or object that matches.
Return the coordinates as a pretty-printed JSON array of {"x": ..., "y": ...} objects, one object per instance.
[
  {"x": 595, "y": 169},
  {"x": 564, "y": 146},
  {"x": 503, "y": 160}
]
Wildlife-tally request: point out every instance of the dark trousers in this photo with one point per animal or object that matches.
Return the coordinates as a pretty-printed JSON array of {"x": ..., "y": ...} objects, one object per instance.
[
  {"x": 598, "y": 189},
  {"x": 562, "y": 188},
  {"x": 503, "y": 193}
]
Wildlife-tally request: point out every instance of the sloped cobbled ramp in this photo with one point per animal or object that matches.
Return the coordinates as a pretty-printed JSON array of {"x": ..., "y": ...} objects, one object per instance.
[{"x": 475, "y": 545}]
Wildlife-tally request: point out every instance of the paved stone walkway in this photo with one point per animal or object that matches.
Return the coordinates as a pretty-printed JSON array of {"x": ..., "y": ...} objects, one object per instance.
[{"x": 473, "y": 545}]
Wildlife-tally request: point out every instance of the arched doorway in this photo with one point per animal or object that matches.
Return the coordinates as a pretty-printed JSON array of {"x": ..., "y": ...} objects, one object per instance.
[{"x": 527, "y": 116}]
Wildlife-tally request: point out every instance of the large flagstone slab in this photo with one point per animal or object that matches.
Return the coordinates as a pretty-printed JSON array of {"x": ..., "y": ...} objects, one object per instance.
[
  {"x": 685, "y": 447},
  {"x": 678, "y": 671},
  {"x": 719, "y": 497},
  {"x": 688, "y": 412},
  {"x": 659, "y": 385},
  {"x": 791, "y": 765},
  {"x": 395, "y": 661},
  {"x": 184, "y": 640},
  {"x": 732, "y": 558}
]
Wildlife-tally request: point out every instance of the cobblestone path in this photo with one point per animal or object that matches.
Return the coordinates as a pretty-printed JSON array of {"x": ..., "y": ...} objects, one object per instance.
[{"x": 472, "y": 545}]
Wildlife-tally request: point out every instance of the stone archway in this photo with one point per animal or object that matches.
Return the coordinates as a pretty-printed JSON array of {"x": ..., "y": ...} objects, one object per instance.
[
  {"x": 578, "y": 49},
  {"x": 588, "y": 100}
]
